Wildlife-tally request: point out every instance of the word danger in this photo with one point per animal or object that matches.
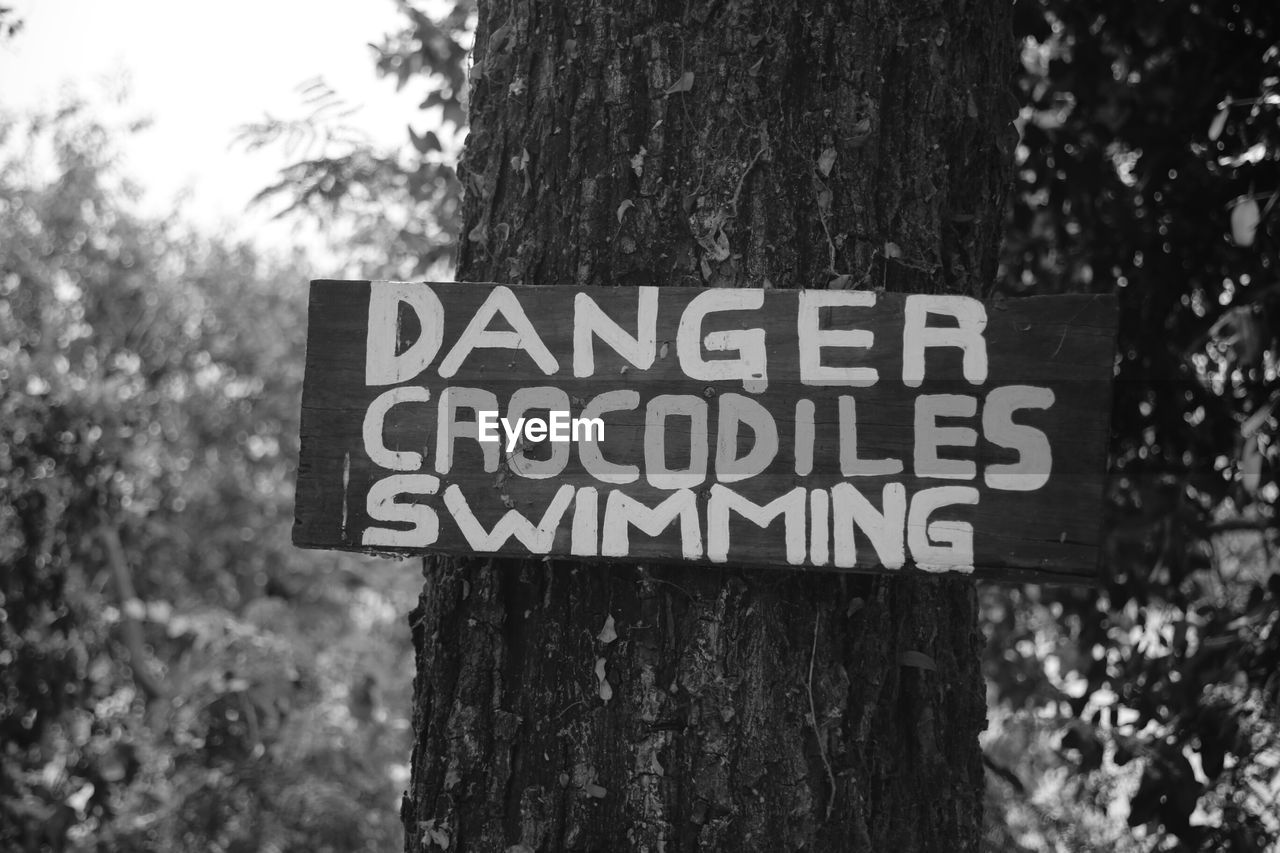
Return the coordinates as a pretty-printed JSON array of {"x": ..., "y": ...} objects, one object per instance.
[
  {"x": 747, "y": 353},
  {"x": 839, "y": 429}
]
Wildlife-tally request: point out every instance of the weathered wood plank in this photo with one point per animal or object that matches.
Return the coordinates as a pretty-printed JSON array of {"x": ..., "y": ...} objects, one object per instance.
[{"x": 1060, "y": 343}]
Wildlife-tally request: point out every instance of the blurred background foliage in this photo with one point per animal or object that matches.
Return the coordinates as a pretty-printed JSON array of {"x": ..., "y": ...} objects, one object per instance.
[
  {"x": 1143, "y": 714},
  {"x": 174, "y": 676}
]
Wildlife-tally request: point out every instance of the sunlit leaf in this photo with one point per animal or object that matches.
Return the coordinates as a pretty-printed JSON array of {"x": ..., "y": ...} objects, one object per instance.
[
  {"x": 684, "y": 84},
  {"x": 826, "y": 160},
  {"x": 1218, "y": 124},
  {"x": 919, "y": 660},
  {"x": 1244, "y": 222}
]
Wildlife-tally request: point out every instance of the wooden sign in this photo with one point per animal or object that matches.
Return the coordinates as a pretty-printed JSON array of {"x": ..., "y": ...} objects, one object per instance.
[{"x": 823, "y": 429}]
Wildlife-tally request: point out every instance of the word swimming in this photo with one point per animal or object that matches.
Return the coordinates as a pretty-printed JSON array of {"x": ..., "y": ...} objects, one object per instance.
[
  {"x": 823, "y": 527},
  {"x": 560, "y": 427}
]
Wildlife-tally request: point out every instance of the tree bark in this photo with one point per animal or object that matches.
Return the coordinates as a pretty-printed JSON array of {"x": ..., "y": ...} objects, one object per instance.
[{"x": 750, "y": 710}]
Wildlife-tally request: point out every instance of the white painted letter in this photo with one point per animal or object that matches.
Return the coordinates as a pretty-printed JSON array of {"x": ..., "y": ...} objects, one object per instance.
[
  {"x": 929, "y": 436},
  {"x": 751, "y": 365},
  {"x": 953, "y": 551},
  {"x": 382, "y": 366},
  {"x": 1035, "y": 464},
  {"x": 736, "y": 409},
  {"x": 395, "y": 460},
  {"x": 537, "y": 539},
  {"x": 850, "y": 464},
  {"x": 659, "y": 410},
  {"x": 586, "y": 522},
  {"x": 917, "y": 335},
  {"x": 382, "y": 505},
  {"x": 883, "y": 528},
  {"x": 553, "y": 400},
  {"x": 589, "y": 320},
  {"x": 589, "y": 451},
  {"x": 621, "y": 512},
  {"x": 449, "y": 429},
  {"x": 813, "y": 338},
  {"x": 803, "y": 451},
  {"x": 477, "y": 335},
  {"x": 819, "y": 527},
  {"x": 724, "y": 501}
]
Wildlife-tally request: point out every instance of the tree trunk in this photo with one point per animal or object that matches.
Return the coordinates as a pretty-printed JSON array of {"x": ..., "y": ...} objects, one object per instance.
[{"x": 751, "y": 710}]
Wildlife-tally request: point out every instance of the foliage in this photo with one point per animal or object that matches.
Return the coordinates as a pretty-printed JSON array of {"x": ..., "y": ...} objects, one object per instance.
[
  {"x": 10, "y": 24},
  {"x": 394, "y": 214},
  {"x": 1150, "y": 144},
  {"x": 175, "y": 675}
]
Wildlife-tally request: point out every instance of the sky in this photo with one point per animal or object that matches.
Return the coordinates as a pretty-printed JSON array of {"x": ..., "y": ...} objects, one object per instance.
[{"x": 199, "y": 71}]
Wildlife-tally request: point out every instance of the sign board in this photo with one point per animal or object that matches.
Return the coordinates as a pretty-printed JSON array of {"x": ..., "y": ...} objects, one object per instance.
[{"x": 817, "y": 429}]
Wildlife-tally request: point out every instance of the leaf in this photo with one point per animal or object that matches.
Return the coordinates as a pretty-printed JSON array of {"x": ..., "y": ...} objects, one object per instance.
[
  {"x": 826, "y": 160},
  {"x": 823, "y": 195},
  {"x": 1219, "y": 124},
  {"x": 917, "y": 659},
  {"x": 608, "y": 633},
  {"x": 434, "y": 835},
  {"x": 597, "y": 791},
  {"x": 637, "y": 162},
  {"x": 684, "y": 84},
  {"x": 892, "y": 250},
  {"x": 600, "y": 669},
  {"x": 498, "y": 38},
  {"x": 606, "y": 690},
  {"x": 1251, "y": 467},
  {"x": 840, "y": 282},
  {"x": 1212, "y": 759},
  {"x": 855, "y": 604},
  {"x": 716, "y": 244},
  {"x": 1244, "y": 222},
  {"x": 426, "y": 143},
  {"x": 626, "y": 205}
]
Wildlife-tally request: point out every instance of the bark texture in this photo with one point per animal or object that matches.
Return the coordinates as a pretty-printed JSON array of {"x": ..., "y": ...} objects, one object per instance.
[{"x": 761, "y": 143}]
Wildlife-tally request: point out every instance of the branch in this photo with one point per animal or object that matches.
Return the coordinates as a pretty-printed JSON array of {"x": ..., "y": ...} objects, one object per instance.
[
  {"x": 1227, "y": 525},
  {"x": 137, "y": 653},
  {"x": 813, "y": 719},
  {"x": 1004, "y": 773}
]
